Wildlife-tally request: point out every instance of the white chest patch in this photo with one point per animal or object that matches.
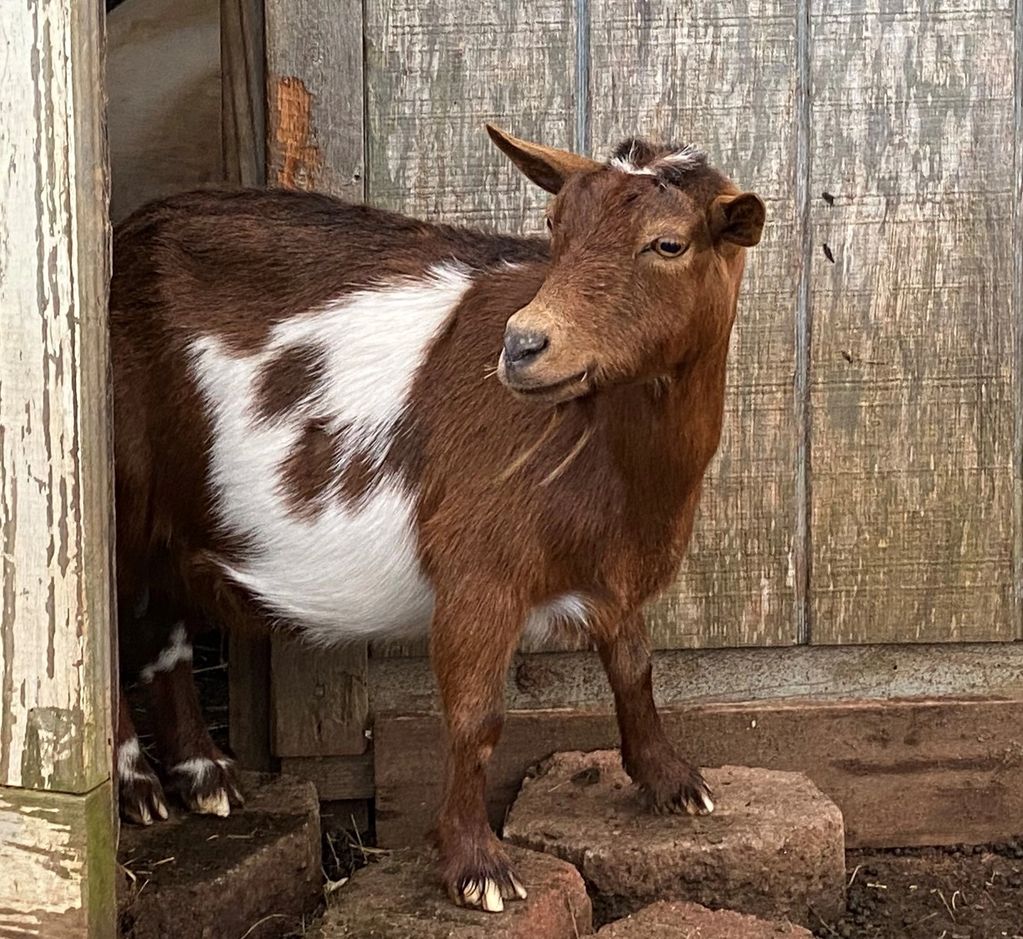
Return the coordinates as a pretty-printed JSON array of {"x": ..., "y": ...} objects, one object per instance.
[{"x": 347, "y": 570}]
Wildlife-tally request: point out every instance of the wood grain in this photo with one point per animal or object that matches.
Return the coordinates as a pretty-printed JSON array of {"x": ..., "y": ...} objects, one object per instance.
[
  {"x": 55, "y": 506},
  {"x": 724, "y": 77},
  {"x": 435, "y": 72},
  {"x": 314, "y": 85},
  {"x": 320, "y": 699},
  {"x": 56, "y": 625},
  {"x": 912, "y": 336},
  {"x": 924, "y": 756},
  {"x": 243, "y": 91}
]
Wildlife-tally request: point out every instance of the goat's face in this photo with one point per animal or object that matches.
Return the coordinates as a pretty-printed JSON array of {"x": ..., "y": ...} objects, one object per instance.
[{"x": 647, "y": 254}]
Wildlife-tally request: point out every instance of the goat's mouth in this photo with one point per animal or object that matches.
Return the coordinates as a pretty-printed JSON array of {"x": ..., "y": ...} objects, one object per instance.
[{"x": 575, "y": 386}]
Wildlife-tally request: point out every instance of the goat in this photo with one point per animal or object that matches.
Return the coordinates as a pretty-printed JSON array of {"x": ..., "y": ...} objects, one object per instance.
[{"x": 351, "y": 424}]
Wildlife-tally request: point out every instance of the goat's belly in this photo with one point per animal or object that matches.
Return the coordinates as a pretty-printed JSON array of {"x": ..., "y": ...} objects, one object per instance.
[{"x": 350, "y": 572}]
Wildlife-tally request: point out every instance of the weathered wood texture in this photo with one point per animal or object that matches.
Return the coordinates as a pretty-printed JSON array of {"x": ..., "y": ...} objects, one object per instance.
[
  {"x": 320, "y": 699},
  {"x": 723, "y": 77},
  {"x": 314, "y": 82},
  {"x": 924, "y": 756},
  {"x": 56, "y": 627},
  {"x": 243, "y": 91},
  {"x": 435, "y": 72},
  {"x": 912, "y": 350},
  {"x": 57, "y": 857},
  {"x": 55, "y": 506}
]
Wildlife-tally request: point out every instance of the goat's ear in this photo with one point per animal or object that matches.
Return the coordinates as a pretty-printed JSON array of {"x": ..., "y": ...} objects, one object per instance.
[
  {"x": 545, "y": 166},
  {"x": 738, "y": 218}
]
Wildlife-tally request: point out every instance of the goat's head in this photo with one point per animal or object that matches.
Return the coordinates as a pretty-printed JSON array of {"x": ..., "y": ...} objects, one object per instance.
[{"x": 647, "y": 253}]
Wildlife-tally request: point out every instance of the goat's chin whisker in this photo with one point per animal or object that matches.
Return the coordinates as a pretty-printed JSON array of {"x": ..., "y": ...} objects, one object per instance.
[{"x": 526, "y": 454}]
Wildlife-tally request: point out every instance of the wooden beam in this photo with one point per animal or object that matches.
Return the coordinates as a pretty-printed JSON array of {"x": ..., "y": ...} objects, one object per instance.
[
  {"x": 56, "y": 624},
  {"x": 243, "y": 91},
  {"x": 902, "y": 772}
]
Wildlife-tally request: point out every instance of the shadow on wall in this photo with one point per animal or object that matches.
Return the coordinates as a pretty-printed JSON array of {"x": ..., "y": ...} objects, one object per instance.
[{"x": 163, "y": 81}]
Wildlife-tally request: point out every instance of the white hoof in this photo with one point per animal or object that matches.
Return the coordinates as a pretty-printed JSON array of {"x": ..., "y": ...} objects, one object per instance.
[
  {"x": 216, "y": 803},
  {"x": 520, "y": 891}
]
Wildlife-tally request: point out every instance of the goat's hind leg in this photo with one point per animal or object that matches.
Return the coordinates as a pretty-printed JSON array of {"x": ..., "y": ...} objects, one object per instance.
[
  {"x": 195, "y": 769},
  {"x": 141, "y": 797}
]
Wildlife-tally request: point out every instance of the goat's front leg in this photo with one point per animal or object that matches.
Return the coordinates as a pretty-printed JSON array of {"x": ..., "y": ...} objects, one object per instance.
[
  {"x": 471, "y": 646},
  {"x": 666, "y": 779}
]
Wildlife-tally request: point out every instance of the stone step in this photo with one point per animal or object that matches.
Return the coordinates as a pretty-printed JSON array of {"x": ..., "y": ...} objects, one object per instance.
[
  {"x": 256, "y": 873},
  {"x": 683, "y": 920},
  {"x": 774, "y": 846},
  {"x": 400, "y": 897}
]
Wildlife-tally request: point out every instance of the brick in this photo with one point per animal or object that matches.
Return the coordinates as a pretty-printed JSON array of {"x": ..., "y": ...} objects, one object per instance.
[
  {"x": 400, "y": 896},
  {"x": 773, "y": 847},
  {"x": 682, "y": 920},
  {"x": 204, "y": 877}
]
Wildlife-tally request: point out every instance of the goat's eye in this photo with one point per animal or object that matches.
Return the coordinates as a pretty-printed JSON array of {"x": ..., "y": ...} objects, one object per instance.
[{"x": 669, "y": 248}]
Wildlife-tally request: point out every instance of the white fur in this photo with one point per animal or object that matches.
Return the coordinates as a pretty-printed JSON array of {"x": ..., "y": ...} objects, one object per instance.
[
  {"x": 179, "y": 650},
  {"x": 351, "y": 571},
  {"x": 688, "y": 156},
  {"x": 129, "y": 754},
  {"x": 198, "y": 767},
  {"x": 567, "y": 609}
]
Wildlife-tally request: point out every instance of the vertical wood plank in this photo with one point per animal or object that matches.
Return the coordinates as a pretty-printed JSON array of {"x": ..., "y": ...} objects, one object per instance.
[
  {"x": 1017, "y": 307},
  {"x": 315, "y": 140},
  {"x": 724, "y": 78},
  {"x": 321, "y": 699},
  {"x": 314, "y": 87},
  {"x": 56, "y": 626},
  {"x": 912, "y": 338},
  {"x": 243, "y": 133},
  {"x": 435, "y": 72},
  {"x": 243, "y": 91}
]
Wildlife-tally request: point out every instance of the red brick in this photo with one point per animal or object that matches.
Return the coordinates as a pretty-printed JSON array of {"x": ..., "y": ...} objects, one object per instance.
[
  {"x": 774, "y": 846},
  {"x": 400, "y": 897},
  {"x": 681, "y": 920}
]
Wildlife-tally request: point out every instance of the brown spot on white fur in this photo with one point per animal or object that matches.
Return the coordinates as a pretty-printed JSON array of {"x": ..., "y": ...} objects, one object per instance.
[{"x": 289, "y": 378}]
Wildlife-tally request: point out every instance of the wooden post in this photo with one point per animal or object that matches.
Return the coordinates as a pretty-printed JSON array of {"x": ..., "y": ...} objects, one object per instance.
[{"x": 57, "y": 827}]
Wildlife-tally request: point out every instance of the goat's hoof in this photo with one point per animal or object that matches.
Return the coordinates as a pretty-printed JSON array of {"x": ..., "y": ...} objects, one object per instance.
[
  {"x": 141, "y": 796},
  {"x": 486, "y": 881},
  {"x": 206, "y": 786},
  {"x": 678, "y": 790}
]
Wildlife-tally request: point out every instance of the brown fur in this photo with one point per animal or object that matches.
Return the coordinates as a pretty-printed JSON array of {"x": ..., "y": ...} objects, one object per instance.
[{"x": 529, "y": 484}]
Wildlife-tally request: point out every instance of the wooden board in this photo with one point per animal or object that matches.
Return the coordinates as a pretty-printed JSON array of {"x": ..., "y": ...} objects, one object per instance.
[
  {"x": 56, "y": 618},
  {"x": 55, "y": 480},
  {"x": 57, "y": 857},
  {"x": 337, "y": 778},
  {"x": 320, "y": 700},
  {"x": 724, "y": 78},
  {"x": 902, "y": 772},
  {"x": 435, "y": 72},
  {"x": 314, "y": 85},
  {"x": 243, "y": 91},
  {"x": 912, "y": 339},
  {"x": 743, "y": 675}
]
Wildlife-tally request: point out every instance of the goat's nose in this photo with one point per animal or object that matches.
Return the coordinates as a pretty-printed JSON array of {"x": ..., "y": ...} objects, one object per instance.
[{"x": 521, "y": 345}]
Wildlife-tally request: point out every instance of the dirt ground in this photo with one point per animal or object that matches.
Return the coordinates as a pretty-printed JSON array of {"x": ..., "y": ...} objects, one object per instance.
[{"x": 933, "y": 893}]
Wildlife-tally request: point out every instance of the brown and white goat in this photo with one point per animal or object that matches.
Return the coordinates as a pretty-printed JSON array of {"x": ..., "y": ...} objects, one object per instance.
[{"x": 309, "y": 430}]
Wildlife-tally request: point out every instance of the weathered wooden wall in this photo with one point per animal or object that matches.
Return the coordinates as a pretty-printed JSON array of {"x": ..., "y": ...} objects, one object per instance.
[{"x": 56, "y": 805}]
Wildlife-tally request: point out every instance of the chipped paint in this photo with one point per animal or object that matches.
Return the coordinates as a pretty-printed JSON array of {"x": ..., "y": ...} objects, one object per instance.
[{"x": 298, "y": 159}]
